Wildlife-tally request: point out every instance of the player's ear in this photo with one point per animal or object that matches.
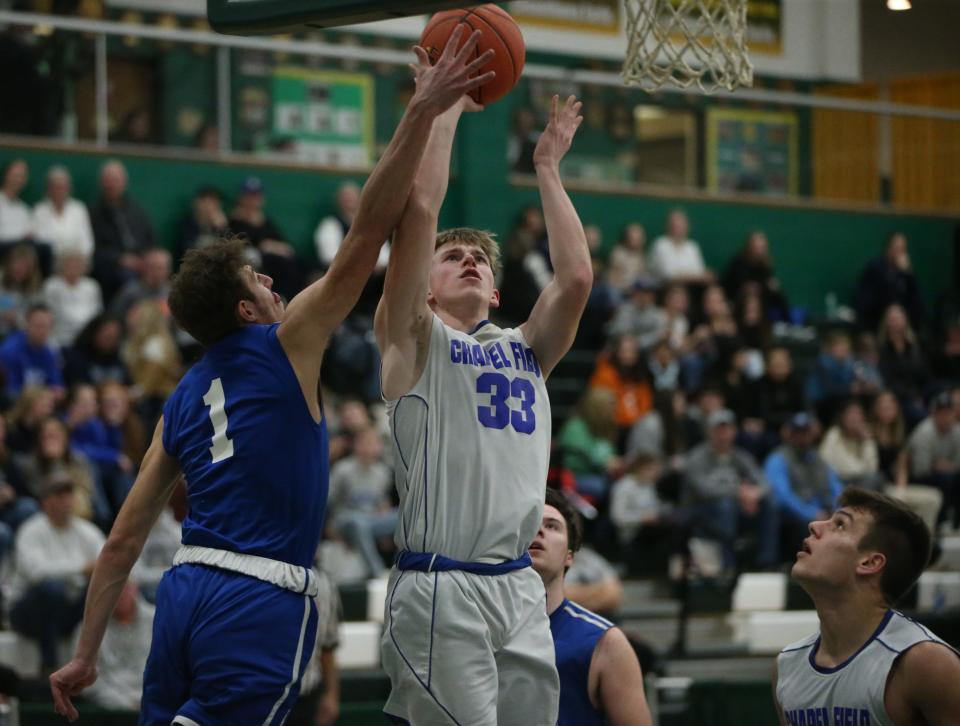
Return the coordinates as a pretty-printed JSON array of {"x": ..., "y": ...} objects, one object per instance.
[
  {"x": 568, "y": 560},
  {"x": 246, "y": 312},
  {"x": 871, "y": 563},
  {"x": 495, "y": 298}
]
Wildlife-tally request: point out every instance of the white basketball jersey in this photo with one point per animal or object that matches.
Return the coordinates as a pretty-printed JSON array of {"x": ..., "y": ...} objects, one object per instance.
[
  {"x": 852, "y": 692},
  {"x": 471, "y": 444}
]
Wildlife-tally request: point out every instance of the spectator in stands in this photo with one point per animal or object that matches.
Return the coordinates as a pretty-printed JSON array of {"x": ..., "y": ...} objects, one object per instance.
[
  {"x": 639, "y": 315},
  {"x": 100, "y": 443},
  {"x": 601, "y": 305},
  {"x": 833, "y": 378},
  {"x": 675, "y": 257},
  {"x": 946, "y": 353},
  {"x": 695, "y": 416},
  {"x": 622, "y": 371},
  {"x": 332, "y": 229},
  {"x": 123, "y": 653},
  {"x": 525, "y": 268},
  {"x": 751, "y": 271},
  {"x": 15, "y": 226},
  {"x": 28, "y": 358},
  {"x": 20, "y": 287},
  {"x": 95, "y": 356},
  {"x": 350, "y": 417},
  {"x": 849, "y": 449},
  {"x": 779, "y": 392},
  {"x": 523, "y": 140},
  {"x": 804, "y": 486},
  {"x": 889, "y": 431},
  {"x": 319, "y": 702},
  {"x": 932, "y": 456},
  {"x": 868, "y": 381},
  {"x": 34, "y": 405},
  {"x": 121, "y": 422},
  {"x": 206, "y": 223},
  {"x": 664, "y": 368},
  {"x": 752, "y": 325},
  {"x": 360, "y": 509},
  {"x": 152, "y": 358},
  {"x": 61, "y": 221},
  {"x": 902, "y": 363},
  {"x": 676, "y": 305},
  {"x": 16, "y": 504},
  {"x": 886, "y": 281},
  {"x": 712, "y": 344},
  {"x": 724, "y": 493},
  {"x": 157, "y": 554},
  {"x": 54, "y": 453},
  {"x": 121, "y": 231},
  {"x": 643, "y": 521},
  {"x": 627, "y": 259},
  {"x": 278, "y": 258},
  {"x": 73, "y": 298},
  {"x": 152, "y": 283},
  {"x": 593, "y": 583},
  {"x": 55, "y": 554},
  {"x": 588, "y": 443}
]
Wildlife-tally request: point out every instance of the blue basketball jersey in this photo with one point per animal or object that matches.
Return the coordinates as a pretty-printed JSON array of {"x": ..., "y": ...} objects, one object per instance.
[
  {"x": 576, "y": 632},
  {"x": 255, "y": 461}
]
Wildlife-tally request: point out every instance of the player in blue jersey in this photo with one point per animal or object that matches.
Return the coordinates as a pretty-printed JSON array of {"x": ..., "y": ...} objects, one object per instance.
[
  {"x": 868, "y": 665},
  {"x": 235, "y": 619},
  {"x": 600, "y": 678}
]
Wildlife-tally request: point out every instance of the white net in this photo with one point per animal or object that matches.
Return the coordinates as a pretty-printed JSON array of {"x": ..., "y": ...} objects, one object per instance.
[{"x": 687, "y": 42}]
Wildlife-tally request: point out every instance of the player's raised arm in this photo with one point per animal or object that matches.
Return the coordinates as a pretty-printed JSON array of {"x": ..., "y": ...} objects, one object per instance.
[
  {"x": 147, "y": 498},
  {"x": 317, "y": 311},
  {"x": 555, "y": 316},
  {"x": 403, "y": 315}
]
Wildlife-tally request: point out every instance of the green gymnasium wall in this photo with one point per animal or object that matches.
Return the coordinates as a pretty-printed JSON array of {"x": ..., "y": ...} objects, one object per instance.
[{"x": 816, "y": 251}]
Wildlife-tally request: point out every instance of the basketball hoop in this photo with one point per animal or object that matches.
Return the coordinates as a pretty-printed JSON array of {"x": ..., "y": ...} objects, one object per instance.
[{"x": 687, "y": 42}]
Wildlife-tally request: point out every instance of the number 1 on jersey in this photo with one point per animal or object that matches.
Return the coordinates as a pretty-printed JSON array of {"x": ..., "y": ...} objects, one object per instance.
[{"x": 222, "y": 447}]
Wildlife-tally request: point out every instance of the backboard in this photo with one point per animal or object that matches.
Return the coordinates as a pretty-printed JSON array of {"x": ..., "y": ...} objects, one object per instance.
[{"x": 268, "y": 17}]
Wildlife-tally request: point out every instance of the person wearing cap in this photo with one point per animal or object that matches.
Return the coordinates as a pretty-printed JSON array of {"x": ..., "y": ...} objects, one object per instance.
[
  {"x": 932, "y": 455},
  {"x": 639, "y": 315},
  {"x": 55, "y": 554},
  {"x": 724, "y": 492},
  {"x": 804, "y": 485},
  {"x": 278, "y": 257}
]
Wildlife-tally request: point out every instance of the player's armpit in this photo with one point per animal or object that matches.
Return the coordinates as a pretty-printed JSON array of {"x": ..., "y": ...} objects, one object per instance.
[
  {"x": 923, "y": 686},
  {"x": 619, "y": 681}
]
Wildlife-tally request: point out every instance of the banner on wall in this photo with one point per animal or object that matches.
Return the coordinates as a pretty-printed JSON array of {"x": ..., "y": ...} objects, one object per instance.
[
  {"x": 596, "y": 16},
  {"x": 752, "y": 151},
  {"x": 324, "y": 117}
]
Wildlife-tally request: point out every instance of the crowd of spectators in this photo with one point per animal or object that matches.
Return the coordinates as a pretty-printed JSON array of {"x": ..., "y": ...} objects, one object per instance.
[
  {"x": 698, "y": 432},
  {"x": 707, "y": 415}
]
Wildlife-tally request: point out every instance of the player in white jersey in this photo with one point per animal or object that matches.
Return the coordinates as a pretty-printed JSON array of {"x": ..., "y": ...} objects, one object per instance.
[
  {"x": 466, "y": 637},
  {"x": 869, "y": 665}
]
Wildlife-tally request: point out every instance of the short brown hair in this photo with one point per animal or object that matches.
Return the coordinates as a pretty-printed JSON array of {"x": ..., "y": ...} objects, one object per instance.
[
  {"x": 473, "y": 238},
  {"x": 898, "y": 533},
  {"x": 205, "y": 291},
  {"x": 559, "y": 501}
]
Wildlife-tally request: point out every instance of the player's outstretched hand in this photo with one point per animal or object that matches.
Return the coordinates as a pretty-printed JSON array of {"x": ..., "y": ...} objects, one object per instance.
[
  {"x": 70, "y": 681},
  {"x": 441, "y": 85},
  {"x": 555, "y": 140}
]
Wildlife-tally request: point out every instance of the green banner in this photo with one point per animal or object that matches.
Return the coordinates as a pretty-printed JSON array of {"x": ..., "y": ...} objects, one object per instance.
[{"x": 324, "y": 117}]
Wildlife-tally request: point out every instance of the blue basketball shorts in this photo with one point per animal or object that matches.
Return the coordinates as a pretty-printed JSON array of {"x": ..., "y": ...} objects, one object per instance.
[{"x": 227, "y": 649}]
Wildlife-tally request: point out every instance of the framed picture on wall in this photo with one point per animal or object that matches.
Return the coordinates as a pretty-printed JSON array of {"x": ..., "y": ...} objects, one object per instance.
[{"x": 752, "y": 151}]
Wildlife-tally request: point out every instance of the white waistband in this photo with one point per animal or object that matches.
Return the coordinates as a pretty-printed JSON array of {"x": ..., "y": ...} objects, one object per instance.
[{"x": 297, "y": 579}]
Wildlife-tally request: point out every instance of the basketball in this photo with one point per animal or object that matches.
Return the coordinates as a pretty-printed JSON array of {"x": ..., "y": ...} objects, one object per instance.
[{"x": 499, "y": 32}]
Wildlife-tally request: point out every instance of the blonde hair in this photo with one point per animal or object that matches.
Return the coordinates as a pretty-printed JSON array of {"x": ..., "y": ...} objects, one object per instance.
[
  {"x": 598, "y": 409},
  {"x": 481, "y": 239}
]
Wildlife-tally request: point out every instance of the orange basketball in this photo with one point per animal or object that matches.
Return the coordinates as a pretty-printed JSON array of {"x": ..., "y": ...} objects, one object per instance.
[{"x": 498, "y": 31}]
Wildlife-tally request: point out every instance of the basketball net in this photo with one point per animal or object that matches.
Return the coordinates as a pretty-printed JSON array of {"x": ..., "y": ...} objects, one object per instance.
[{"x": 687, "y": 42}]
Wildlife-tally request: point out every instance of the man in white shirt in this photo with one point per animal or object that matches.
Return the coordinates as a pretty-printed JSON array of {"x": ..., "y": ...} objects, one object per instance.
[
  {"x": 73, "y": 297},
  {"x": 675, "y": 257},
  {"x": 55, "y": 554},
  {"x": 60, "y": 220}
]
